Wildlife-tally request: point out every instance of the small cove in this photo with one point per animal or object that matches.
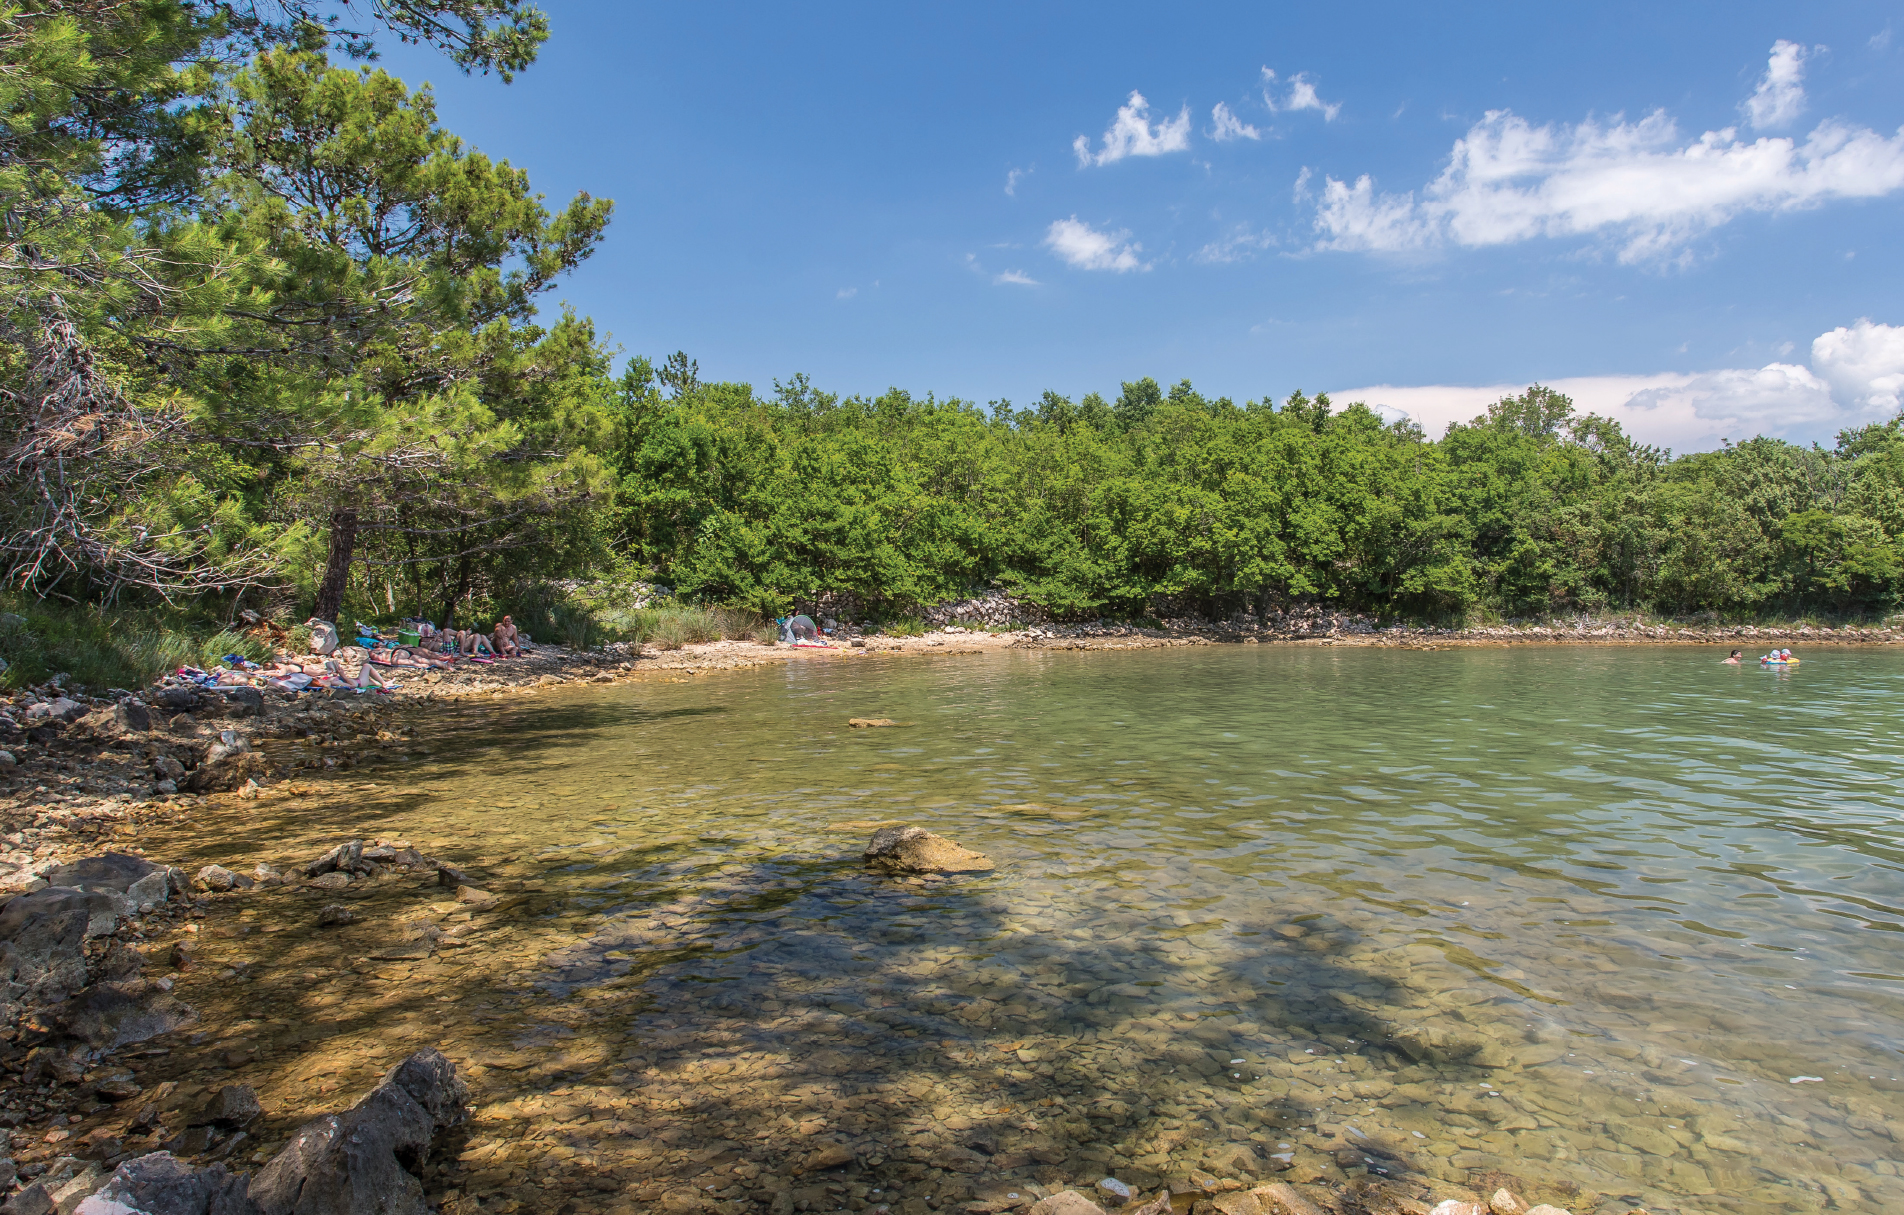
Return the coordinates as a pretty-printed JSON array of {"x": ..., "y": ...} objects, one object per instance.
[{"x": 1623, "y": 920}]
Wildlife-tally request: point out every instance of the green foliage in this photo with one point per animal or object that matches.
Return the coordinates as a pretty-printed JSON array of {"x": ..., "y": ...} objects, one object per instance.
[
  {"x": 1174, "y": 499},
  {"x": 229, "y": 255},
  {"x": 99, "y": 648}
]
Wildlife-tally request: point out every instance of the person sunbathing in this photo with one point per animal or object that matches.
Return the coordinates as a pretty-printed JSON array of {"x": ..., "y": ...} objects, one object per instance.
[
  {"x": 475, "y": 643},
  {"x": 504, "y": 638}
]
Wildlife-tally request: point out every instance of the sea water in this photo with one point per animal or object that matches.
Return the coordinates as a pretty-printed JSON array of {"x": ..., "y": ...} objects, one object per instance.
[{"x": 1620, "y": 923}]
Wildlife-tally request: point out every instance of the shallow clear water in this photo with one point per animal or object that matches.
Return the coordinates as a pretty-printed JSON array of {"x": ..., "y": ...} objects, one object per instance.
[{"x": 1623, "y": 923}]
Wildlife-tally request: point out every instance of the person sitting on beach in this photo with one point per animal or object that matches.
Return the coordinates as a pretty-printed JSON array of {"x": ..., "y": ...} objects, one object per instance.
[
  {"x": 1735, "y": 656},
  {"x": 475, "y": 643},
  {"x": 504, "y": 638}
]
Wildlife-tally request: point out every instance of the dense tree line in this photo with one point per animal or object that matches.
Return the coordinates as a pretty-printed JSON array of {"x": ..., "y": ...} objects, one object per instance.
[
  {"x": 267, "y": 329},
  {"x": 1095, "y": 506}
]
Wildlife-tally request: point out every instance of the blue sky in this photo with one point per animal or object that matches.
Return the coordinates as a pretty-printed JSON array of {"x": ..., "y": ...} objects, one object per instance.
[{"x": 1687, "y": 215}]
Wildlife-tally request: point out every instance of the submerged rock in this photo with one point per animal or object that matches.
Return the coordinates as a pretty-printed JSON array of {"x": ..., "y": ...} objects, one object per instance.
[
  {"x": 335, "y": 913},
  {"x": 107, "y": 1016},
  {"x": 1066, "y": 1202},
  {"x": 870, "y": 723},
  {"x": 916, "y": 850}
]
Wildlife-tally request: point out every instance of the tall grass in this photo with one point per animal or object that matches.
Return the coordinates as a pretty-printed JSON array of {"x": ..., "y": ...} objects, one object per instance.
[
  {"x": 587, "y": 617},
  {"x": 673, "y": 626},
  {"x": 98, "y": 648},
  {"x": 905, "y": 626}
]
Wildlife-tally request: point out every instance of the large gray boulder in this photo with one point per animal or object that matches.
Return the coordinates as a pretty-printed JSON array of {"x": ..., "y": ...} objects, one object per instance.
[
  {"x": 41, "y": 940},
  {"x": 134, "y": 884},
  {"x": 359, "y": 1162}
]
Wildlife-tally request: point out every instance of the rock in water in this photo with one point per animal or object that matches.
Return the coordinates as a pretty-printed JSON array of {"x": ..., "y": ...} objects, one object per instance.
[
  {"x": 130, "y": 881},
  {"x": 107, "y": 1016},
  {"x": 215, "y": 878},
  {"x": 358, "y": 1162},
  {"x": 1066, "y": 1202},
  {"x": 870, "y": 723},
  {"x": 346, "y": 857},
  {"x": 41, "y": 938},
  {"x": 1281, "y": 1198},
  {"x": 235, "y": 1105},
  {"x": 916, "y": 850},
  {"x": 831, "y": 1156}
]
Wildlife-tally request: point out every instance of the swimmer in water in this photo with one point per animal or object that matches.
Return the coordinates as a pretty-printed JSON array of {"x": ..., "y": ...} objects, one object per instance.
[{"x": 1734, "y": 657}]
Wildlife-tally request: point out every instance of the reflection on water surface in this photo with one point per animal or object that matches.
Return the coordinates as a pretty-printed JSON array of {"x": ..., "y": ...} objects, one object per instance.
[{"x": 1621, "y": 923}]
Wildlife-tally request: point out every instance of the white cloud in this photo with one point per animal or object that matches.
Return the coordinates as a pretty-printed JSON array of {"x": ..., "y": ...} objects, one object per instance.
[
  {"x": 1131, "y": 134},
  {"x": 1226, "y": 126},
  {"x": 1864, "y": 364},
  {"x": 1638, "y": 183},
  {"x": 846, "y": 293},
  {"x": 1079, "y": 244},
  {"x": 1238, "y": 245},
  {"x": 1780, "y": 96},
  {"x": 1014, "y": 177},
  {"x": 1856, "y": 377},
  {"x": 1016, "y": 276},
  {"x": 1301, "y": 96}
]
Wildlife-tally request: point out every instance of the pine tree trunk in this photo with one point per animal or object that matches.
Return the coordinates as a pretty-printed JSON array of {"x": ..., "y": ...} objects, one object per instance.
[
  {"x": 456, "y": 592},
  {"x": 330, "y": 592}
]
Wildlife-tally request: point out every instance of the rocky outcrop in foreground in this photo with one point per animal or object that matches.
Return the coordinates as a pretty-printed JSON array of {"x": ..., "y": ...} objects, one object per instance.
[{"x": 364, "y": 1161}]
